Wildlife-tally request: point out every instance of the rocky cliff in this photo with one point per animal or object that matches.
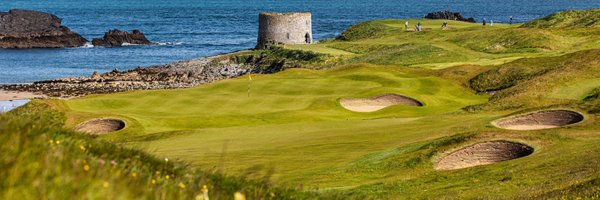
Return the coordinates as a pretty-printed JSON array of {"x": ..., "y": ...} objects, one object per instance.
[
  {"x": 118, "y": 38},
  {"x": 34, "y": 29}
]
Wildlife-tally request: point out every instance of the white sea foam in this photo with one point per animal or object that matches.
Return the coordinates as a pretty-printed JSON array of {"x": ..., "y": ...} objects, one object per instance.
[
  {"x": 168, "y": 43},
  {"x": 87, "y": 45},
  {"x": 128, "y": 44}
]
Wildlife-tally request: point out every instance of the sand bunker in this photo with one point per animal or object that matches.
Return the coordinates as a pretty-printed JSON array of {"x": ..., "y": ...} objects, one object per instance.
[
  {"x": 540, "y": 120},
  {"x": 483, "y": 154},
  {"x": 377, "y": 103},
  {"x": 101, "y": 126}
]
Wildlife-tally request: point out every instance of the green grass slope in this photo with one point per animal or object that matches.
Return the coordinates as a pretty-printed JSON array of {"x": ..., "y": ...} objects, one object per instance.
[
  {"x": 568, "y": 19},
  {"x": 41, "y": 160},
  {"x": 539, "y": 82},
  {"x": 386, "y": 42}
]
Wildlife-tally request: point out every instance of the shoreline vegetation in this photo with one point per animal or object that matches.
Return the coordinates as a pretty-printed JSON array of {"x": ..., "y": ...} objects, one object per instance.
[{"x": 433, "y": 111}]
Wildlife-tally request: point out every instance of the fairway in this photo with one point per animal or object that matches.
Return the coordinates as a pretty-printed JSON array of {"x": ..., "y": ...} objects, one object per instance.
[{"x": 286, "y": 118}]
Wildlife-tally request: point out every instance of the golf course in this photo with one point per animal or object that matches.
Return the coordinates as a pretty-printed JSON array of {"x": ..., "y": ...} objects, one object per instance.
[{"x": 508, "y": 111}]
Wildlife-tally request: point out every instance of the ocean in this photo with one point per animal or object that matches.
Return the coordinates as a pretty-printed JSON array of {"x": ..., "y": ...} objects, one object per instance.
[{"x": 186, "y": 29}]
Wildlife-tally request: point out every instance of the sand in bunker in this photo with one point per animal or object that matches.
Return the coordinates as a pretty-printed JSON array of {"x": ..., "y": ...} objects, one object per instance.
[
  {"x": 483, "y": 154},
  {"x": 540, "y": 120},
  {"x": 101, "y": 126},
  {"x": 11, "y": 95},
  {"x": 377, "y": 103}
]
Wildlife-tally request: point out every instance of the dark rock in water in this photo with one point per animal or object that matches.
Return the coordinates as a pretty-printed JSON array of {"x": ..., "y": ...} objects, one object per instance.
[
  {"x": 118, "y": 38},
  {"x": 34, "y": 29},
  {"x": 449, "y": 15}
]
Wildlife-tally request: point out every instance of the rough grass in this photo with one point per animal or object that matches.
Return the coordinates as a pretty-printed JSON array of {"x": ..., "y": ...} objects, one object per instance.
[
  {"x": 366, "y": 30},
  {"x": 538, "y": 81},
  {"x": 568, "y": 19},
  {"x": 410, "y": 54},
  {"x": 41, "y": 160},
  {"x": 594, "y": 94},
  {"x": 510, "y": 41}
]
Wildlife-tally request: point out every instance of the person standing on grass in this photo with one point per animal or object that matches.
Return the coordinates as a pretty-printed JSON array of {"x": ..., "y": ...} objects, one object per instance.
[
  {"x": 484, "y": 21},
  {"x": 406, "y": 25},
  {"x": 511, "y": 19},
  {"x": 491, "y": 22},
  {"x": 419, "y": 26}
]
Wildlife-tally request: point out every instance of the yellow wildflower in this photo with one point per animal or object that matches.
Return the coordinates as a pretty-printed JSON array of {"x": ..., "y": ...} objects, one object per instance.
[
  {"x": 167, "y": 177},
  {"x": 86, "y": 168},
  {"x": 134, "y": 174},
  {"x": 57, "y": 141},
  {"x": 153, "y": 181},
  {"x": 182, "y": 186},
  {"x": 239, "y": 196},
  {"x": 105, "y": 184},
  {"x": 157, "y": 173},
  {"x": 51, "y": 141},
  {"x": 82, "y": 147}
]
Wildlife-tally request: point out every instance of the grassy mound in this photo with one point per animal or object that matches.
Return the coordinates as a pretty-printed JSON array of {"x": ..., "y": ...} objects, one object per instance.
[
  {"x": 540, "y": 81},
  {"x": 568, "y": 19},
  {"x": 277, "y": 58},
  {"x": 408, "y": 54},
  {"x": 510, "y": 41},
  {"x": 367, "y": 30}
]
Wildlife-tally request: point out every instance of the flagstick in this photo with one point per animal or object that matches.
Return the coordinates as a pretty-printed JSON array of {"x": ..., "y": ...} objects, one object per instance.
[{"x": 249, "y": 82}]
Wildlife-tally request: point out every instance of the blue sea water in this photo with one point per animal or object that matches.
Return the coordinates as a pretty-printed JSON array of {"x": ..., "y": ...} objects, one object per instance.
[{"x": 195, "y": 28}]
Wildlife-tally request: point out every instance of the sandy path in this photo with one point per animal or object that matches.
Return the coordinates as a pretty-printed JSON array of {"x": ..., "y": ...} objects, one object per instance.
[{"x": 10, "y": 95}]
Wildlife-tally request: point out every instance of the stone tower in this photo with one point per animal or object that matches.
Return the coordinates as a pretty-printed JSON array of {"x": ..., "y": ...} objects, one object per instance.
[{"x": 284, "y": 28}]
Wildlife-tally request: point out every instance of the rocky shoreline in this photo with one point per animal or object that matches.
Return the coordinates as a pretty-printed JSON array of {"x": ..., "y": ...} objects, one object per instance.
[{"x": 183, "y": 74}]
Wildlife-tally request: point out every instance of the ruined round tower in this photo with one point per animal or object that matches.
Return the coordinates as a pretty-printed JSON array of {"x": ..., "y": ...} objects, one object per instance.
[{"x": 284, "y": 28}]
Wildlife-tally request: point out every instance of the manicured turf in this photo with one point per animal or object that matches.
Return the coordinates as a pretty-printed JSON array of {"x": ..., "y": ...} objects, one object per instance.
[{"x": 291, "y": 122}]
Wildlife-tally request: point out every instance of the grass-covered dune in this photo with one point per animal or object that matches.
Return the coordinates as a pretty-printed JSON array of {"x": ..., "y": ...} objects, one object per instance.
[
  {"x": 568, "y": 19},
  {"x": 292, "y": 128}
]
